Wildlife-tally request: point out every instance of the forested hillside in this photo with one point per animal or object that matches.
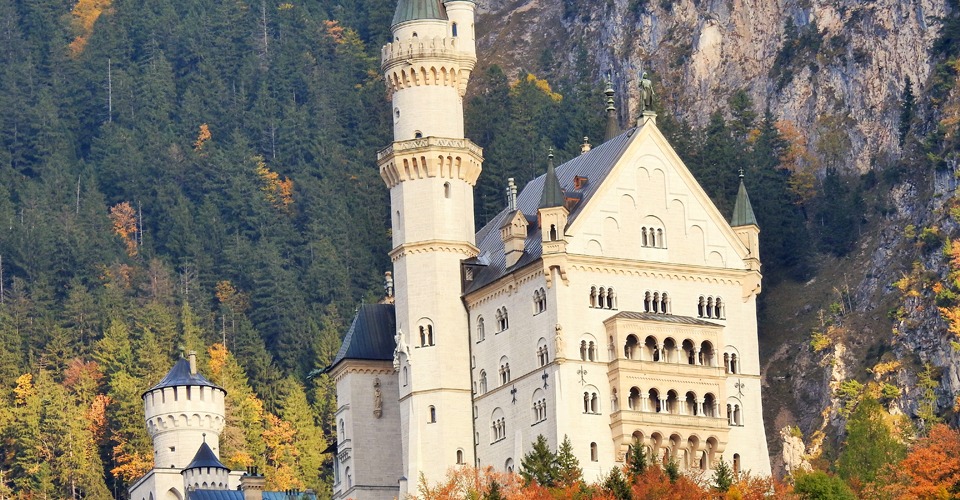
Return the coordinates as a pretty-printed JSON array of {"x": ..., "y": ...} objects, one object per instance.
[{"x": 199, "y": 175}]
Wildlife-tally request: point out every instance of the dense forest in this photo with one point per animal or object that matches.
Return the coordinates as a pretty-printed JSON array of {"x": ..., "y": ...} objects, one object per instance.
[{"x": 199, "y": 175}]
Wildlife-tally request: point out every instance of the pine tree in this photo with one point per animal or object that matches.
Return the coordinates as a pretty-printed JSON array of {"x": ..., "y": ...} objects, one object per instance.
[
  {"x": 906, "y": 113},
  {"x": 540, "y": 464},
  {"x": 616, "y": 485},
  {"x": 568, "y": 467},
  {"x": 636, "y": 460},
  {"x": 722, "y": 476}
]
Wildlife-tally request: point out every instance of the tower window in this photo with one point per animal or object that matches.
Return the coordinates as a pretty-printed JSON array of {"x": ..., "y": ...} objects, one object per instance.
[
  {"x": 593, "y": 452},
  {"x": 459, "y": 457},
  {"x": 454, "y": 29},
  {"x": 418, "y": 135},
  {"x": 446, "y": 190},
  {"x": 433, "y": 415}
]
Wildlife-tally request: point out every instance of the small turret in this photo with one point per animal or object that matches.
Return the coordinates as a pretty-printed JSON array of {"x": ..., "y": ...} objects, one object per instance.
[
  {"x": 205, "y": 471},
  {"x": 744, "y": 224},
  {"x": 552, "y": 211}
]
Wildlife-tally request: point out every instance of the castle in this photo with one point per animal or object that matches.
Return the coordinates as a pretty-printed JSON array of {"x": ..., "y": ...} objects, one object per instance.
[
  {"x": 609, "y": 302},
  {"x": 185, "y": 414}
]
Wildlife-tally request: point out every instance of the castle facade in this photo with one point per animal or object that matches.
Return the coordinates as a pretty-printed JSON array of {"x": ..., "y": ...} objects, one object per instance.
[{"x": 609, "y": 302}]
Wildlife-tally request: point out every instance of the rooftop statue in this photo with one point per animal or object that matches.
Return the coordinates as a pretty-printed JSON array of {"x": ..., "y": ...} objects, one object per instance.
[{"x": 646, "y": 93}]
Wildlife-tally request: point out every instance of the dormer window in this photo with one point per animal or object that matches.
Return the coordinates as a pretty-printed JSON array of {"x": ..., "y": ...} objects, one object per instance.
[{"x": 579, "y": 182}]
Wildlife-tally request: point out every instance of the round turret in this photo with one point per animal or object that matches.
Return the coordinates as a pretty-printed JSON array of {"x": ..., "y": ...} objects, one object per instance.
[
  {"x": 180, "y": 411},
  {"x": 205, "y": 471}
]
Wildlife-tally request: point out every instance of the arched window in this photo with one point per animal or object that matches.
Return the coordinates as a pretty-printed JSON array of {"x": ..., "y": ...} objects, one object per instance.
[
  {"x": 663, "y": 244},
  {"x": 583, "y": 350},
  {"x": 543, "y": 352},
  {"x": 349, "y": 476},
  {"x": 664, "y": 303},
  {"x": 539, "y": 301},
  {"x": 634, "y": 402},
  {"x": 433, "y": 415},
  {"x": 419, "y": 135},
  {"x": 504, "y": 370},
  {"x": 342, "y": 431},
  {"x": 483, "y": 382},
  {"x": 426, "y": 335},
  {"x": 710, "y": 312},
  {"x": 643, "y": 236},
  {"x": 502, "y": 321},
  {"x": 719, "y": 313},
  {"x": 593, "y": 452},
  {"x": 702, "y": 307},
  {"x": 629, "y": 349},
  {"x": 726, "y": 362},
  {"x": 594, "y": 403},
  {"x": 481, "y": 332},
  {"x": 405, "y": 377},
  {"x": 453, "y": 29},
  {"x": 736, "y": 463},
  {"x": 508, "y": 465},
  {"x": 734, "y": 364},
  {"x": 446, "y": 190},
  {"x": 737, "y": 415},
  {"x": 592, "y": 351},
  {"x": 730, "y": 415},
  {"x": 498, "y": 425},
  {"x": 459, "y": 457},
  {"x": 593, "y": 296},
  {"x": 653, "y": 238},
  {"x": 611, "y": 299},
  {"x": 553, "y": 232},
  {"x": 539, "y": 406},
  {"x": 648, "y": 302}
]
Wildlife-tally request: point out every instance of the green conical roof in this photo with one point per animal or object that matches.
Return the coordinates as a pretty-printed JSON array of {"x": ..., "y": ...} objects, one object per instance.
[
  {"x": 552, "y": 192},
  {"x": 743, "y": 211},
  {"x": 410, "y": 10}
]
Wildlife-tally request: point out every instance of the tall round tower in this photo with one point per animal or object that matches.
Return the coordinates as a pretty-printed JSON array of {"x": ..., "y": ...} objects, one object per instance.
[
  {"x": 183, "y": 412},
  {"x": 431, "y": 170}
]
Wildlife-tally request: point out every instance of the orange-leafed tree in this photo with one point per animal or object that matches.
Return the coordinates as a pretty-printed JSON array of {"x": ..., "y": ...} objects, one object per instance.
[
  {"x": 130, "y": 464},
  {"x": 203, "y": 136},
  {"x": 282, "y": 454},
  {"x": 85, "y": 14},
  {"x": 124, "y": 219},
  {"x": 931, "y": 469},
  {"x": 278, "y": 192}
]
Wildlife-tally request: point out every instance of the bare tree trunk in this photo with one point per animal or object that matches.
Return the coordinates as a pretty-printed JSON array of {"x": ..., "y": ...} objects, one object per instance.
[
  {"x": 1, "y": 302},
  {"x": 109, "y": 92},
  {"x": 78, "y": 194}
]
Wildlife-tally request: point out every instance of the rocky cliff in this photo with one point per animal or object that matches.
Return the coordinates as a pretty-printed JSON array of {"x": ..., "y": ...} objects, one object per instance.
[{"x": 837, "y": 70}]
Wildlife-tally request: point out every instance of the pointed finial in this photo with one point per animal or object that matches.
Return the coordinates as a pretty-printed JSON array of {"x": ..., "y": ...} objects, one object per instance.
[
  {"x": 613, "y": 125},
  {"x": 550, "y": 156},
  {"x": 204, "y": 437},
  {"x": 585, "y": 147}
]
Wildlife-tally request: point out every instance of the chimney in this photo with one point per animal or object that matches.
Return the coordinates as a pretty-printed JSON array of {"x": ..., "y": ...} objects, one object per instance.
[
  {"x": 192, "y": 356},
  {"x": 585, "y": 147},
  {"x": 388, "y": 283},
  {"x": 511, "y": 195},
  {"x": 252, "y": 484}
]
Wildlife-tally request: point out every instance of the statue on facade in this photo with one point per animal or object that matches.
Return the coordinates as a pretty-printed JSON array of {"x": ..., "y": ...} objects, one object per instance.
[
  {"x": 646, "y": 93},
  {"x": 377, "y": 399},
  {"x": 558, "y": 340},
  {"x": 400, "y": 349}
]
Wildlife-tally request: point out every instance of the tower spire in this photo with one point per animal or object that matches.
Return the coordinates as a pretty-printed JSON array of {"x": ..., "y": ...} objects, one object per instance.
[
  {"x": 552, "y": 195},
  {"x": 743, "y": 210}
]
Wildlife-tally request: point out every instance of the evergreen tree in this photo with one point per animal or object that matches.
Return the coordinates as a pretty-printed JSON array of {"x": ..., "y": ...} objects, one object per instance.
[
  {"x": 568, "y": 467},
  {"x": 493, "y": 493},
  {"x": 540, "y": 464},
  {"x": 636, "y": 460},
  {"x": 869, "y": 446},
  {"x": 907, "y": 111},
  {"x": 617, "y": 486},
  {"x": 723, "y": 476}
]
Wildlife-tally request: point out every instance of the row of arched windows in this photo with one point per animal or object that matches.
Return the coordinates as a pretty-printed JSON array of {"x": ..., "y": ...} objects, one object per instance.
[
  {"x": 543, "y": 354},
  {"x": 499, "y": 428},
  {"x": 481, "y": 387},
  {"x": 654, "y": 401},
  {"x": 734, "y": 415},
  {"x": 730, "y": 363},
  {"x": 652, "y": 237},
  {"x": 603, "y": 298},
  {"x": 588, "y": 350},
  {"x": 503, "y": 320},
  {"x": 656, "y": 302},
  {"x": 687, "y": 352},
  {"x": 539, "y": 410},
  {"x": 539, "y": 301},
  {"x": 504, "y": 371},
  {"x": 710, "y": 307},
  {"x": 591, "y": 403}
]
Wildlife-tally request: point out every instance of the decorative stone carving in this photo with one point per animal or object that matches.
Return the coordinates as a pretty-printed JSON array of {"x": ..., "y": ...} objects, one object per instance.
[
  {"x": 400, "y": 349},
  {"x": 646, "y": 93},
  {"x": 377, "y": 399},
  {"x": 558, "y": 340}
]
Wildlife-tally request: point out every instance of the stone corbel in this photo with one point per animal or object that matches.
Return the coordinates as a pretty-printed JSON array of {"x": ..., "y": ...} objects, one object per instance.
[{"x": 750, "y": 286}]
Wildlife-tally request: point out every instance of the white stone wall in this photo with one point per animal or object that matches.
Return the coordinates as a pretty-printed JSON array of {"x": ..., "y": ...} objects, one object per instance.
[{"x": 159, "y": 484}]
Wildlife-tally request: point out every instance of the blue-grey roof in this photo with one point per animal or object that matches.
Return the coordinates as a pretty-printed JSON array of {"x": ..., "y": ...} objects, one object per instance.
[
  {"x": 663, "y": 318},
  {"x": 180, "y": 376},
  {"x": 410, "y": 10},
  {"x": 595, "y": 165},
  {"x": 371, "y": 336},
  {"x": 205, "y": 457},
  {"x": 238, "y": 495},
  {"x": 743, "y": 210}
]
